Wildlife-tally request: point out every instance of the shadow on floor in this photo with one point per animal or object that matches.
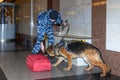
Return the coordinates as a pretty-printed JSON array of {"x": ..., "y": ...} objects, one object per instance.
[
  {"x": 2, "y": 75},
  {"x": 93, "y": 76}
]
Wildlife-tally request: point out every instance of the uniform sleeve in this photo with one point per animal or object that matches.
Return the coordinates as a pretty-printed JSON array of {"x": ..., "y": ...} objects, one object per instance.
[{"x": 40, "y": 27}]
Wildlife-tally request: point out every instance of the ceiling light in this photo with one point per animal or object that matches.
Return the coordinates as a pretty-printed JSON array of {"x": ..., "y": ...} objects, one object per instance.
[{"x": 1, "y": 0}]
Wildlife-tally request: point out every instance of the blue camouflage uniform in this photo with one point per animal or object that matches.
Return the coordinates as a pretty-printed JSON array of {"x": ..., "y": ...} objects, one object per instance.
[{"x": 44, "y": 26}]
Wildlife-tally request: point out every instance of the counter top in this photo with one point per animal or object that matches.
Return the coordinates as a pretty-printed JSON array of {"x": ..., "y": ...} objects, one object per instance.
[{"x": 75, "y": 37}]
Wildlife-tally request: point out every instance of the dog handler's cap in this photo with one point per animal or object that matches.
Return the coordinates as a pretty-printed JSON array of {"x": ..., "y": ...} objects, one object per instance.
[{"x": 53, "y": 15}]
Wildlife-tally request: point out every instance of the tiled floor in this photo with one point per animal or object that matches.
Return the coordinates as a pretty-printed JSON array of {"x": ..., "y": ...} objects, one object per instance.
[{"x": 12, "y": 62}]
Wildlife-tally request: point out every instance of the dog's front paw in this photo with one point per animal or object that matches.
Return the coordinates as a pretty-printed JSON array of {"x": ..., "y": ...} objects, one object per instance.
[
  {"x": 54, "y": 65},
  {"x": 87, "y": 69},
  {"x": 67, "y": 69}
]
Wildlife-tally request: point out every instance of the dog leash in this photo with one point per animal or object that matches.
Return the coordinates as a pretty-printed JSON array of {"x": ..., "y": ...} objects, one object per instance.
[
  {"x": 62, "y": 42},
  {"x": 68, "y": 28}
]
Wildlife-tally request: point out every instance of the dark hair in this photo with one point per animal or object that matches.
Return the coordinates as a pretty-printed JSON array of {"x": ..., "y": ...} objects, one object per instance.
[{"x": 53, "y": 15}]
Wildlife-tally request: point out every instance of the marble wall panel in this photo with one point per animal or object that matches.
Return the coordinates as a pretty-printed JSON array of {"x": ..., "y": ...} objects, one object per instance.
[
  {"x": 111, "y": 58},
  {"x": 78, "y": 13}
]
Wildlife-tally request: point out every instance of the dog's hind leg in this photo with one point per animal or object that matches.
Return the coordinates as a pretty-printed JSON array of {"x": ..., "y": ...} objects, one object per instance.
[
  {"x": 59, "y": 61},
  {"x": 90, "y": 66},
  {"x": 95, "y": 59},
  {"x": 102, "y": 66}
]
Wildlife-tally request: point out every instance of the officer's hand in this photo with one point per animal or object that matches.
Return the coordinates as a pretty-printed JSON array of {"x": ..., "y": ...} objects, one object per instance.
[
  {"x": 42, "y": 47},
  {"x": 65, "y": 23}
]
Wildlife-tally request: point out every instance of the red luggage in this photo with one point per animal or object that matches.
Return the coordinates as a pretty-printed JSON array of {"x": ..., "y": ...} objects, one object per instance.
[{"x": 38, "y": 62}]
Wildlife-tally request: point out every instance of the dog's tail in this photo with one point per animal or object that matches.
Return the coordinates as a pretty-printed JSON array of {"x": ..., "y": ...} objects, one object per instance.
[{"x": 108, "y": 69}]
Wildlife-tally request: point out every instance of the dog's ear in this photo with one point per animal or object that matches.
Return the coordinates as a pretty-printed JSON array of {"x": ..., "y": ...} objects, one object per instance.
[
  {"x": 50, "y": 47},
  {"x": 50, "y": 50}
]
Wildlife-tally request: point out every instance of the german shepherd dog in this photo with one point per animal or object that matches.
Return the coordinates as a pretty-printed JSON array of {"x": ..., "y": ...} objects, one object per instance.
[{"x": 73, "y": 49}]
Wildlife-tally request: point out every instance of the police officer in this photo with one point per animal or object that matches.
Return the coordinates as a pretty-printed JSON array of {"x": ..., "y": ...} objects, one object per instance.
[{"x": 44, "y": 25}]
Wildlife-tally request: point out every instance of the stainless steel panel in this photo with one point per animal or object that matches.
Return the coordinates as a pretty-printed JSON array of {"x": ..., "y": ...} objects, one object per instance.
[{"x": 7, "y": 31}]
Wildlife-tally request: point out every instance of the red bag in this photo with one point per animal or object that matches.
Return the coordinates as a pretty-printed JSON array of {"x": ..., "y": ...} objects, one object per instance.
[{"x": 38, "y": 62}]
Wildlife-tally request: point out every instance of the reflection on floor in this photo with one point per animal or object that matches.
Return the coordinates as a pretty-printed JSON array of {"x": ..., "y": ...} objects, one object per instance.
[
  {"x": 12, "y": 46},
  {"x": 12, "y": 62}
]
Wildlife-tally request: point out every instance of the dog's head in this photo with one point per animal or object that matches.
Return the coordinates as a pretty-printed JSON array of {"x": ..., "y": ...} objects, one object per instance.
[{"x": 50, "y": 51}]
